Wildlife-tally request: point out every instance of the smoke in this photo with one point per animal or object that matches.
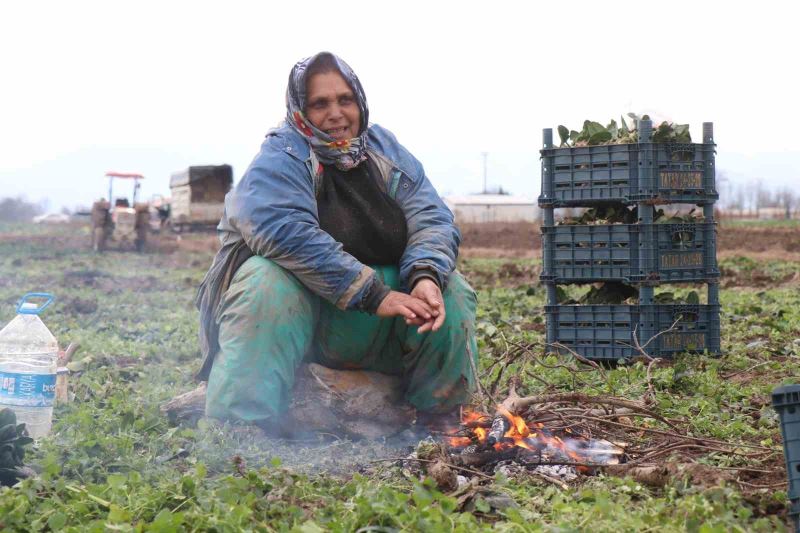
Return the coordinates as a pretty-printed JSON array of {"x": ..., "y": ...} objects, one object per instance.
[{"x": 220, "y": 445}]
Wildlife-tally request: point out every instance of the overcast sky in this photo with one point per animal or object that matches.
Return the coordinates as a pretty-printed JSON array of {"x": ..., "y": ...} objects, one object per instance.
[{"x": 154, "y": 87}]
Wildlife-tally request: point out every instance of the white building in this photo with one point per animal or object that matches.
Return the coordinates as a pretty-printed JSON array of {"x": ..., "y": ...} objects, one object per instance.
[{"x": 492, "y": 208}]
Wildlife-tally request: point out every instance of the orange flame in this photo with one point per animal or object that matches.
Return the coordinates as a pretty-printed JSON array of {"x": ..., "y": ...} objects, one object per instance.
[
  {"x": 518, "y": 425},
  {"x": 459, "y": 442},
  {"x": 520, "y": 435}
]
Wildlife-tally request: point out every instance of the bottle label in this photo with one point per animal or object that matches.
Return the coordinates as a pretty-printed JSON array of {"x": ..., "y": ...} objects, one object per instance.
[{"x": 27, "y": 390}]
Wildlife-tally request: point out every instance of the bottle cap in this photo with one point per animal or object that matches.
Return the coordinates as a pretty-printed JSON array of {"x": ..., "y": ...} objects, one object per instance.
[{"x": 24, "y": 307}]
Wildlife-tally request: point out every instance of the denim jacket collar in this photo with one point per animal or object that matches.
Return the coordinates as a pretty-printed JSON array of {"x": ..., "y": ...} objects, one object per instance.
[{"x": 298, "y": 148}]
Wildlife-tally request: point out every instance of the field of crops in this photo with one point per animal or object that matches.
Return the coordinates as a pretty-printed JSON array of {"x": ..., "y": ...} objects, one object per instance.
[{"x": 114, "y": 462}]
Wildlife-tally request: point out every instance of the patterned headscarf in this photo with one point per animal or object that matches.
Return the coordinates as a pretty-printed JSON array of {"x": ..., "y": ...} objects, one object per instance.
[{"x": 346, "y": 153}]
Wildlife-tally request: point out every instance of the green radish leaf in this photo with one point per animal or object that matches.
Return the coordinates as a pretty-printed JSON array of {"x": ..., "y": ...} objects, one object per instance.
[
  {"x": 593, "y": 127},
  {"x": 563, "y": 132},
  {"x": 57, "y": 521},
  {"x": 561, "y": 294},
  {"x": 600, "y": 137},
  {"x": 612, "y": 128}
]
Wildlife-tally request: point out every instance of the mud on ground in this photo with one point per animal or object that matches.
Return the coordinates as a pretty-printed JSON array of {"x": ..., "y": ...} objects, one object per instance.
[
  {"x": 493, "y": 239},
  {"x": 523, "y": 239}
]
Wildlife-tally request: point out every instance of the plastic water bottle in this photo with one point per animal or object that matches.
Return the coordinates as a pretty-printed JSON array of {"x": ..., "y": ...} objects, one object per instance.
[{"x": 28, "y": 357}]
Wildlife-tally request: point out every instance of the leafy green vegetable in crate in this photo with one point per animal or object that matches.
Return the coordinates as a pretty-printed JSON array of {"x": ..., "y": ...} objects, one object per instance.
[
  {"x": 604, "y": 293},
  {"x": 617, "y": 293},
  {"x": 620, "y": 214},
  {"x": 613, "y": 214},
  {"x": 594, "y": 133},
  {"x": 609, "y": 293},
  {"x": 687, "y": 218},
  {"x": 669, "y": 298},
  {"x": 684, "y": 237},
  {"x": 13, "y": 439},
  {"x": 563, "y": 298}
]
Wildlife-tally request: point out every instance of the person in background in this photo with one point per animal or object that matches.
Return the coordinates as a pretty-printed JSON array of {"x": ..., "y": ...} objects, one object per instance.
[{"x": 335, "y": 249}]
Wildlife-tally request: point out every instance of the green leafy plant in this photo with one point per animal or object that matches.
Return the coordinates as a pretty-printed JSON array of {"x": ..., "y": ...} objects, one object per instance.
[
  {"x": 606, "y": 293},
  {"x": 13, "y": 439},
  {"x": 616, "y": 214},
  {"x": 671, "y": 298},
  {"x": 594, "y": 133},
  {"x": 620, "y": 214}
]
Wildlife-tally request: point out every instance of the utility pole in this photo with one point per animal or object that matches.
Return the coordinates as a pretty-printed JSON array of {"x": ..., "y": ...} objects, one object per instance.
[{"x": 484, "y": 154}]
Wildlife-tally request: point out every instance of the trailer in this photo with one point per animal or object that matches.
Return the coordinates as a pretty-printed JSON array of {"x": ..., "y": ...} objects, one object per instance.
[{"x": 198, "y": 196}]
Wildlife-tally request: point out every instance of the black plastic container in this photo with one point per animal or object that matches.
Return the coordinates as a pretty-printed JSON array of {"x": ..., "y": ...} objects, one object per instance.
[
  {"x": 633, "y": 253},
  {"x": 628, "y": 173},
  {"x": 605, "y": 332},
  {"x": 786, "y": 401}
]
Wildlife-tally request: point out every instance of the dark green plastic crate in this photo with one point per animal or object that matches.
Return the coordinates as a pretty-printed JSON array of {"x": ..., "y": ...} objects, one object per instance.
[
  {"x": 605, "y": 332},
  {"x": 794, "y": 514},
  {"x": 786, "y": 401},
  {"x": 633, "y": 253},
  {"x": 661, "y": 173}
]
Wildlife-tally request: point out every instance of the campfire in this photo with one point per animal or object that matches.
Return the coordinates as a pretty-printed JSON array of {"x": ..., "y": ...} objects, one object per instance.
[
  {"x": 507, "y": 440},
  {"x": 507, "y": 432},
  {"x": 555, "y": 436},
  {"x": 561, "y": 436}
]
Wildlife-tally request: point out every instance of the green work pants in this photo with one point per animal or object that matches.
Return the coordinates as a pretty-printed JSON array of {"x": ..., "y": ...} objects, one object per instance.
[{"x": 269, "y": 323}]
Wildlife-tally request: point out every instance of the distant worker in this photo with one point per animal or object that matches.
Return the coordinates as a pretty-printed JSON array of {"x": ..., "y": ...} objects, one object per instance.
[
  {"x": 336, "y": 249},
  {"x": 163, "y": 214}
]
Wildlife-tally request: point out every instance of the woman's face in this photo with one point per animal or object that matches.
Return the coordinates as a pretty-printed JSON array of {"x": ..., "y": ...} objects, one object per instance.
[{"x": 331, "y": 106}]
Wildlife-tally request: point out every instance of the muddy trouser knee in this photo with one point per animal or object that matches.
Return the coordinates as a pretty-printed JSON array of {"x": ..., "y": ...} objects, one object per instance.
[
  {"x": 435, "y": 365},
  {"x": 269, "y": 323},
  {"x": 266, "y": 325}
]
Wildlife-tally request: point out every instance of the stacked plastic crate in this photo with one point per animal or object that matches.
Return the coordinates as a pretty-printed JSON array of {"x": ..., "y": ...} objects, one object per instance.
[
  {"x": 645, "y": 254},
  {"x": 786, "y": 401}
]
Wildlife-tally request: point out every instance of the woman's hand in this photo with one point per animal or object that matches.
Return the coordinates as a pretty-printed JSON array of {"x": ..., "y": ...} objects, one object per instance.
[
  {"x": 412, "y": 308},
  {"x": 428, "y": 291}
]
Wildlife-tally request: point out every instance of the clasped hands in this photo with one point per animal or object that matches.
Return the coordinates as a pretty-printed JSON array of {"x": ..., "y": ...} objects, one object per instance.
[{"x": 424, "y": 307}]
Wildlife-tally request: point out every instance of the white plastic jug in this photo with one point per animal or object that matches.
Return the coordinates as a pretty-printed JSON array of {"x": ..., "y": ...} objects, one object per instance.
[{"x": 28, "y": 357}]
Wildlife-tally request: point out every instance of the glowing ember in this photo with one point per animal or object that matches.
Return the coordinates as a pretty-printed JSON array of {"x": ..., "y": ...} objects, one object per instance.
[{"x": 508, "y": 431}]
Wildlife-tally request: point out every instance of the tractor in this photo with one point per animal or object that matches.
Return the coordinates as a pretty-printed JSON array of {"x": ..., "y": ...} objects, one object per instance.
[{"x": 119, "y": 220}]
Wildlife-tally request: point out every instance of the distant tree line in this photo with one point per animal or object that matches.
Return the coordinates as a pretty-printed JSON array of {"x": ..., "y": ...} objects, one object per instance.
[
  {"x": 497, "y": 190},
  {"x": 19, "y": 209},
  {"x": 753, "y": 196}
]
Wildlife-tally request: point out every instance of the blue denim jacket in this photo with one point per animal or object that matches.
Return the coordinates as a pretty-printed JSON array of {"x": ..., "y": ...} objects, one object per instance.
[{"x": 273, "y": 211}]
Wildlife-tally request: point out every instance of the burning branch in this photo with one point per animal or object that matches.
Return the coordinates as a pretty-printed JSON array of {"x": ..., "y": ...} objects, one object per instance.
[{"x": 515, "y": 404}]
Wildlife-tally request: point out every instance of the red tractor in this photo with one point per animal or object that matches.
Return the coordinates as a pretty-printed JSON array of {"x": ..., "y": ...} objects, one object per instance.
[{"x": 119, "y": 220}]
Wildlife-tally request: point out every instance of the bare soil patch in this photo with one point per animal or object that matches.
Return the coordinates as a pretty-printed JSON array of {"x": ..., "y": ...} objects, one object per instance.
[
  {"x": 508, "y": 274},
  {"x": 500, "y": 235},
  {"x": 758, "y": 278},
  {"x": 497, "y": 253},
  {"x": 523, "y": 240},
  {"x": 759, "y": 239}
]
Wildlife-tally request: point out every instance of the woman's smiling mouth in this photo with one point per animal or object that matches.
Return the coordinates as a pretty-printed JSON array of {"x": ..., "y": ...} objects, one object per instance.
[{"x": 337, "y": 133}]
